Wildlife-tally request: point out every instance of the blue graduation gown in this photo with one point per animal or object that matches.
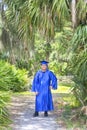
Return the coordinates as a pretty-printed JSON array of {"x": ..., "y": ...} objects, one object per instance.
[{"x": 41, "y": 84}]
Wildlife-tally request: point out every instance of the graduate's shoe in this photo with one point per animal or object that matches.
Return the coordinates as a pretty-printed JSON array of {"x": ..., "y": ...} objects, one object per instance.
[
  {"x": 45, "y": 113},
  {"x": 35, "y": 114}
]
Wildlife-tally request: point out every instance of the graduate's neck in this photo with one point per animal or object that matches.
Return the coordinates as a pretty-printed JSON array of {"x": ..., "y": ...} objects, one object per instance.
[{"x": 44, "y": 70}]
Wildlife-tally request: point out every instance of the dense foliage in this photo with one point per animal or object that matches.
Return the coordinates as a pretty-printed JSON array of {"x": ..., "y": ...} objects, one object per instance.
[
  {"x": 32, "y": 30},
  {"x": 4, "y": 115},
  {"x": 12, "y": 78},
  {"x": 79, "y": 64}
]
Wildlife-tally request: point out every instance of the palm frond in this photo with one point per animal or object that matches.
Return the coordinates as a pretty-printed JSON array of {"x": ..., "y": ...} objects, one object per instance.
[
  {"x": 81, "y": 9},
  {"x": 79, "y": 39}
]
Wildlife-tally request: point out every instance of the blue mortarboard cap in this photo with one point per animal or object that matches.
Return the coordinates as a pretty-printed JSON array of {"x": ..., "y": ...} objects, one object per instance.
[{"x": 44, "y": 62}]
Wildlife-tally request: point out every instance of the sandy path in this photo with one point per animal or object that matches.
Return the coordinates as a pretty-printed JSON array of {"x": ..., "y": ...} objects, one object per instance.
[{"x": 22, "y": 109}]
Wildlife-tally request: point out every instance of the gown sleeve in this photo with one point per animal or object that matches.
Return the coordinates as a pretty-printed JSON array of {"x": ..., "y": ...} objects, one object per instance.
[
  {"x": 53, "y": 82},
  {"x": 35, "y": 84}
]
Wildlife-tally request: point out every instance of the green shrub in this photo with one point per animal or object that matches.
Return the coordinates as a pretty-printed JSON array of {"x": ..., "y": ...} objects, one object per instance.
[{"x": 12, "y": 78}]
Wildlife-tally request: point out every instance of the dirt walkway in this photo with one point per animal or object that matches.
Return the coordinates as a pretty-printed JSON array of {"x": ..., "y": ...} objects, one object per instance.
[{"x": 22, "y": 108}]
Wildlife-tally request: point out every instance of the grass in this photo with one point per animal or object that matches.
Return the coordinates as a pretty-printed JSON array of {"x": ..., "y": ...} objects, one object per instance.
[
  {"x": 72, "y": 119},
  {"x": 70, "y": 113},
  {"x": 4, "y": 92},
  {"x": 26, "y": 93},
  {"x": 62, "y": 89}
]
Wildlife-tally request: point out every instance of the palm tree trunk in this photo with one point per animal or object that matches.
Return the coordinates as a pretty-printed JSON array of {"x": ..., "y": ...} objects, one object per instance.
[
  {"x": 31, "y": 48},
  {"x": 48, "y": 48},
  {"x": 73, "y": 13},
  {"x": 4, "y": 36},
  {"x": 1, "y": 21}
]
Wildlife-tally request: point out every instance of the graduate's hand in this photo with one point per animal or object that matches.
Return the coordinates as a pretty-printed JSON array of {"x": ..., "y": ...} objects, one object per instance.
[
  {"x": 51, "y": 87},
  {"x": 36, "y": 93}
]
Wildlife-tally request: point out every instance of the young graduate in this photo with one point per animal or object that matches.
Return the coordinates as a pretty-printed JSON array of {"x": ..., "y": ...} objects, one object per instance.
[{"x": 44, "y": 81}]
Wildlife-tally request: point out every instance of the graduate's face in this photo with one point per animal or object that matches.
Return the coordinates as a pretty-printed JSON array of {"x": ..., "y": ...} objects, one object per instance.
[{"x": 44, "y": 67}]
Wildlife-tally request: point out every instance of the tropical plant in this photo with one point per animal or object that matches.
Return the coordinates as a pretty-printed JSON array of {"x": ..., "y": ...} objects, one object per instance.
[
  {"x": 30, "y": 16},
  {"x": 4, "y": 115},
  {"x": 12, "y": 78},
  {"x": 79, "y": 64}
]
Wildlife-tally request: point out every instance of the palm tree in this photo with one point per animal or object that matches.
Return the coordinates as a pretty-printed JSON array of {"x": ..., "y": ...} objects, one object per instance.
[{"x": 30, "y": 16}]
